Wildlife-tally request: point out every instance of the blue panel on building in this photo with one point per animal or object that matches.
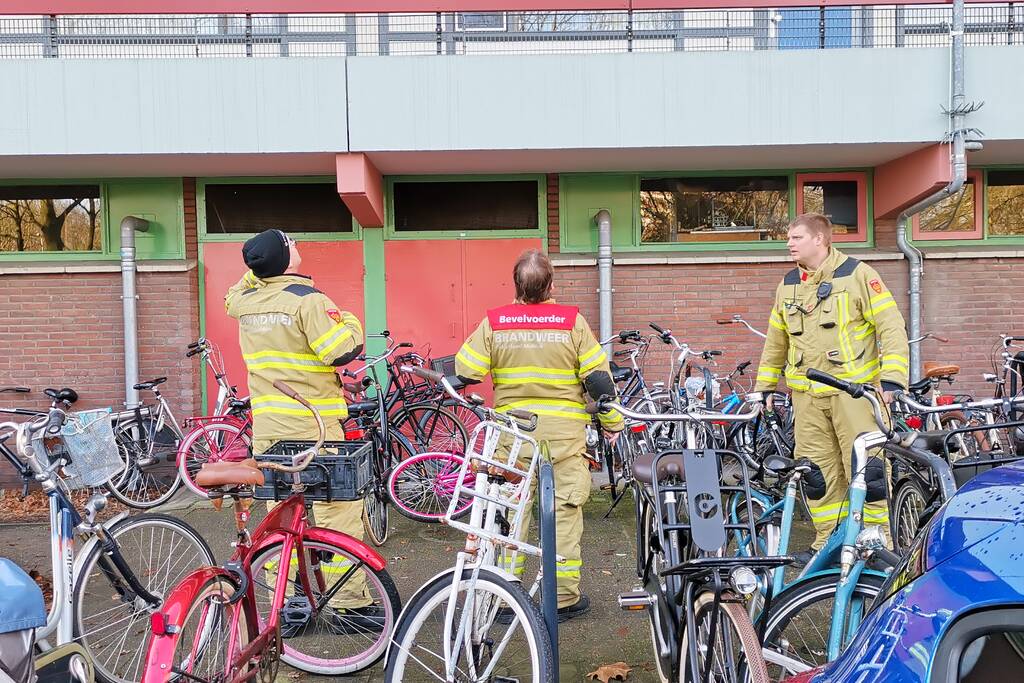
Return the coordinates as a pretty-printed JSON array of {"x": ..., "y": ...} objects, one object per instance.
[{"x": 800, "y": 29}]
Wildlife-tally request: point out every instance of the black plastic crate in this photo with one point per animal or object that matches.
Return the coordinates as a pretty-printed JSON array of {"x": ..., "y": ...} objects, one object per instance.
[{"x": 341, "y": 473}]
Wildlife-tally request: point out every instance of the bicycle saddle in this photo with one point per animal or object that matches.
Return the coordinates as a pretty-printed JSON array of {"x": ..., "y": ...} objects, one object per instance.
[
  {"x": 66, "y": 395},
  {"x": 669, "y": 466},
  {"x": 362, "y": 408},
  {"x": 619, "y": 373},
  {"x": 228, "y": 473},
  {"x": 143, "y": 386}
]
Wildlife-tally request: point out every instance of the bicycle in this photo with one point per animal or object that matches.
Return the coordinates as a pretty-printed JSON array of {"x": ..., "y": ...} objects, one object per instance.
[
  {"x": 916, "y": 495},
  {"x": 693, "y": 593},
  {"x": 473, "y": 612},
  {"x": 104, "y": 594},
  {"x": 836, "y": 586},
  {"x": 237, "y": 621}
]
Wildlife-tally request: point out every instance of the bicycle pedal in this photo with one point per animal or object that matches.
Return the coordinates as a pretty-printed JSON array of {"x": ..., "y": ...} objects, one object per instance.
[{"x": 635, "y": 600}]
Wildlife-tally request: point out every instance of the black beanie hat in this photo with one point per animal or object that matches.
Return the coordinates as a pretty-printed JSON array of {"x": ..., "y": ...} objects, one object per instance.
[{"x": 267, "y": 253}]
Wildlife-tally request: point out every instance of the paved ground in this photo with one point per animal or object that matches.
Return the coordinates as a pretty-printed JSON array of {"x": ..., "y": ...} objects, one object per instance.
[{"x": 416, "y": 552}]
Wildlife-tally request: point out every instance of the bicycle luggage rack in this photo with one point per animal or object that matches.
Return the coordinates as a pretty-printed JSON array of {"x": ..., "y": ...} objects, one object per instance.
[{"x": 977, "y": 462}]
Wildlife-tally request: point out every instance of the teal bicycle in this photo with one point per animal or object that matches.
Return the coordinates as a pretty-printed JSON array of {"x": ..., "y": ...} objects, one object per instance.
[{"x": 819, "y": 612}]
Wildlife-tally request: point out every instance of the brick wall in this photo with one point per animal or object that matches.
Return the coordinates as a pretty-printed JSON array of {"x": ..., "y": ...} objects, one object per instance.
[
  {"x": 554, "y": 238},
  {"x": 60, "y": 329}
]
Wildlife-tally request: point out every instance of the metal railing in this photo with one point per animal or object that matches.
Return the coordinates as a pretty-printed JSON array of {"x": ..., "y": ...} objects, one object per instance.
[{"x": 501, "y": 33}]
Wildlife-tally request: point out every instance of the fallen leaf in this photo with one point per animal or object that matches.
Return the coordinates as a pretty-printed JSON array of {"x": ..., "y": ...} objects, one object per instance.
[
  {"x": 294, "y": 675},
  {"x": 606, "y": 572},
  {"x": 448, "y": 548},
  {"x": 617, "y": 671}
]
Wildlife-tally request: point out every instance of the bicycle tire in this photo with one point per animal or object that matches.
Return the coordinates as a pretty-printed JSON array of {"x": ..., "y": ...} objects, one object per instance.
[
  {"x": 376, "y": 517},
  {"x": 145, "y": 486},
  {"x": 908, "y": 502},
  {"x": 158, "y": 575},
  {"x": 191, "y": 459},
  {"x": 384, "y": 593},
  {"x": 421, "y": 487},
  {"x": 435, "y": 595},
  {"x": 205, "y": 631},
  {"x": 799, "y": 599},
  {"x": 431, "y": 427},
  {"x": 750, "y": 664}
]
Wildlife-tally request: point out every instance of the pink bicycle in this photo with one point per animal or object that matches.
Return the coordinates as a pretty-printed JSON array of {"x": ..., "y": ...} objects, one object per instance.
[{"x": 422, "y": 486}]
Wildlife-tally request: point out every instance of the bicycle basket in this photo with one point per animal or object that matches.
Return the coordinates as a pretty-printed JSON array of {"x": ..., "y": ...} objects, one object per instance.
[
  {"x": 89, "y": 441},
  {"x": 340, "y": 472}
]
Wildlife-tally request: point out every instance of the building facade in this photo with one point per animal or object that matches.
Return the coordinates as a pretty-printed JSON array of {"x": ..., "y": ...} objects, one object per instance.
[{"x": 415, "y": 154}]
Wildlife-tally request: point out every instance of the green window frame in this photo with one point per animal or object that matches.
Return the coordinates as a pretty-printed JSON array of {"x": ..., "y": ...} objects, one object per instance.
[
  {"x": 204, "y": 236},
  {"x": 983, "y": 238},
  {"x": 391, "y": 233},
  {"x": 633, "y": 243},
  {"x": 160, "y": 200}
]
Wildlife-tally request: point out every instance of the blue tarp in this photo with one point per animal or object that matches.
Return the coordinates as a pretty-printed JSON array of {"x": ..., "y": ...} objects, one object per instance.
[{"x": 21, "y": 600}]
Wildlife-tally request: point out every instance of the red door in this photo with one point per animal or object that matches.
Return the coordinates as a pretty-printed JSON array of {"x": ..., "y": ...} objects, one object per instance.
[
  {"x": 336, "y": 269},
  {"x": 439, "y": 290}
]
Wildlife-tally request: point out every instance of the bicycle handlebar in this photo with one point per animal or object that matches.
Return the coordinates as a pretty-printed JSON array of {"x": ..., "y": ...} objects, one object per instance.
[
  {"x": 906, "y": 399},
  {"x": 754, "y": 399},
  {"x": 15, "y": 390}
]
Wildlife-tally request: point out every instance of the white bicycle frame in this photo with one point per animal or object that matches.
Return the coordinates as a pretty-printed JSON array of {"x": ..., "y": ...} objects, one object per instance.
[
  {"x": 66, "y": 564},
  {"x": 484, "y": 538}
]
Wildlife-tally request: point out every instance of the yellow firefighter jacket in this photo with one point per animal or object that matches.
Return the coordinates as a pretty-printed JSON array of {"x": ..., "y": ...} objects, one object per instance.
[
  {"x": 851, "y": 329},
  {"x": 538, "y": 356},
  {"x": 291, "y": 331}
]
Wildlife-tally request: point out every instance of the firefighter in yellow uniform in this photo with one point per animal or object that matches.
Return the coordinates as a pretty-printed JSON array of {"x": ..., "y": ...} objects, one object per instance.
[
  {"x": 833, "y": 313},
  {"x": 289, "y": 330},
  {"x": 542, "y": 357}
]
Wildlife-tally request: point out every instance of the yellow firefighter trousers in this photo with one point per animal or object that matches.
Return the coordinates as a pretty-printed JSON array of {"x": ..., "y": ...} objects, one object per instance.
[
  {"x": 346, "y": 517},
  {"x": 572, "y": 490},
  {"x": 825, "y": 429}
]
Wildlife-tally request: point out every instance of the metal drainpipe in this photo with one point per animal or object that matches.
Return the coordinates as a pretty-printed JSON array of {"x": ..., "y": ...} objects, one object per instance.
[
  {"x": 129, "y": 224},
  {"x": 604, "y": 272},
  {"x": 914, "y": 256}
]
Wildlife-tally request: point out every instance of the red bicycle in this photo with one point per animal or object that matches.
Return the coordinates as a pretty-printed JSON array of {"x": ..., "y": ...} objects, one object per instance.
[
  {"x": 315, "y": 598},
  {"x": 225, "y": 435}
]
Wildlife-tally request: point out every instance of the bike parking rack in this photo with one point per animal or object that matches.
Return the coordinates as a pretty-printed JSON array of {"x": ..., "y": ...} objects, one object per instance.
[{"x": 546, "y": 521}]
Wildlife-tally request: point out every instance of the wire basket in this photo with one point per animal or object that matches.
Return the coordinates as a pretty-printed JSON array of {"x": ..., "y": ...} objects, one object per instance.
[{"x": 90, "y": 445}]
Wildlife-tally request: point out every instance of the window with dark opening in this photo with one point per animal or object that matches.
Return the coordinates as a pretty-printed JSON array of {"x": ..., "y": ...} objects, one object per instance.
[
  {"x": 292, "y": 207},
  {"x": 435, "y": 206}
]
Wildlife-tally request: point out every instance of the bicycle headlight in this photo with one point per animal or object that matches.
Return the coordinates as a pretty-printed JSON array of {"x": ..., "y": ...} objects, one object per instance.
[{"x": 744, "y": 580}]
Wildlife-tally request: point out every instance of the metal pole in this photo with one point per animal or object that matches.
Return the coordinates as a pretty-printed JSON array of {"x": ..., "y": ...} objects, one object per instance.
[
  {"x": 546, "y": 516},
  {"x": 129, "y": 224},
  {"x": 604, "y": 272},
  {"x": 957, "y": 110}
]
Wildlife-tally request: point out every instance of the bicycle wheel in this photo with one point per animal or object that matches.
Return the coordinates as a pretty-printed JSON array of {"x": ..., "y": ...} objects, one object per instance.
[
  {"x": 197, "y": 651},
  {"x": 319, "y": 634},
  {"x": 519, "y": 651},
  {"x": 800, "y": 618},
  {"x": 210, "y": 442},
  {"x": 735, "y": 654},
  {"x": 109, "y": 621},
  {"x": 422, "y": 487},
  {"x": 150, "y": 475},
  {"x": 375, "y": 516},
  {"x": 908, "y": 503},
  {"x": 429, "y": 427}
]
